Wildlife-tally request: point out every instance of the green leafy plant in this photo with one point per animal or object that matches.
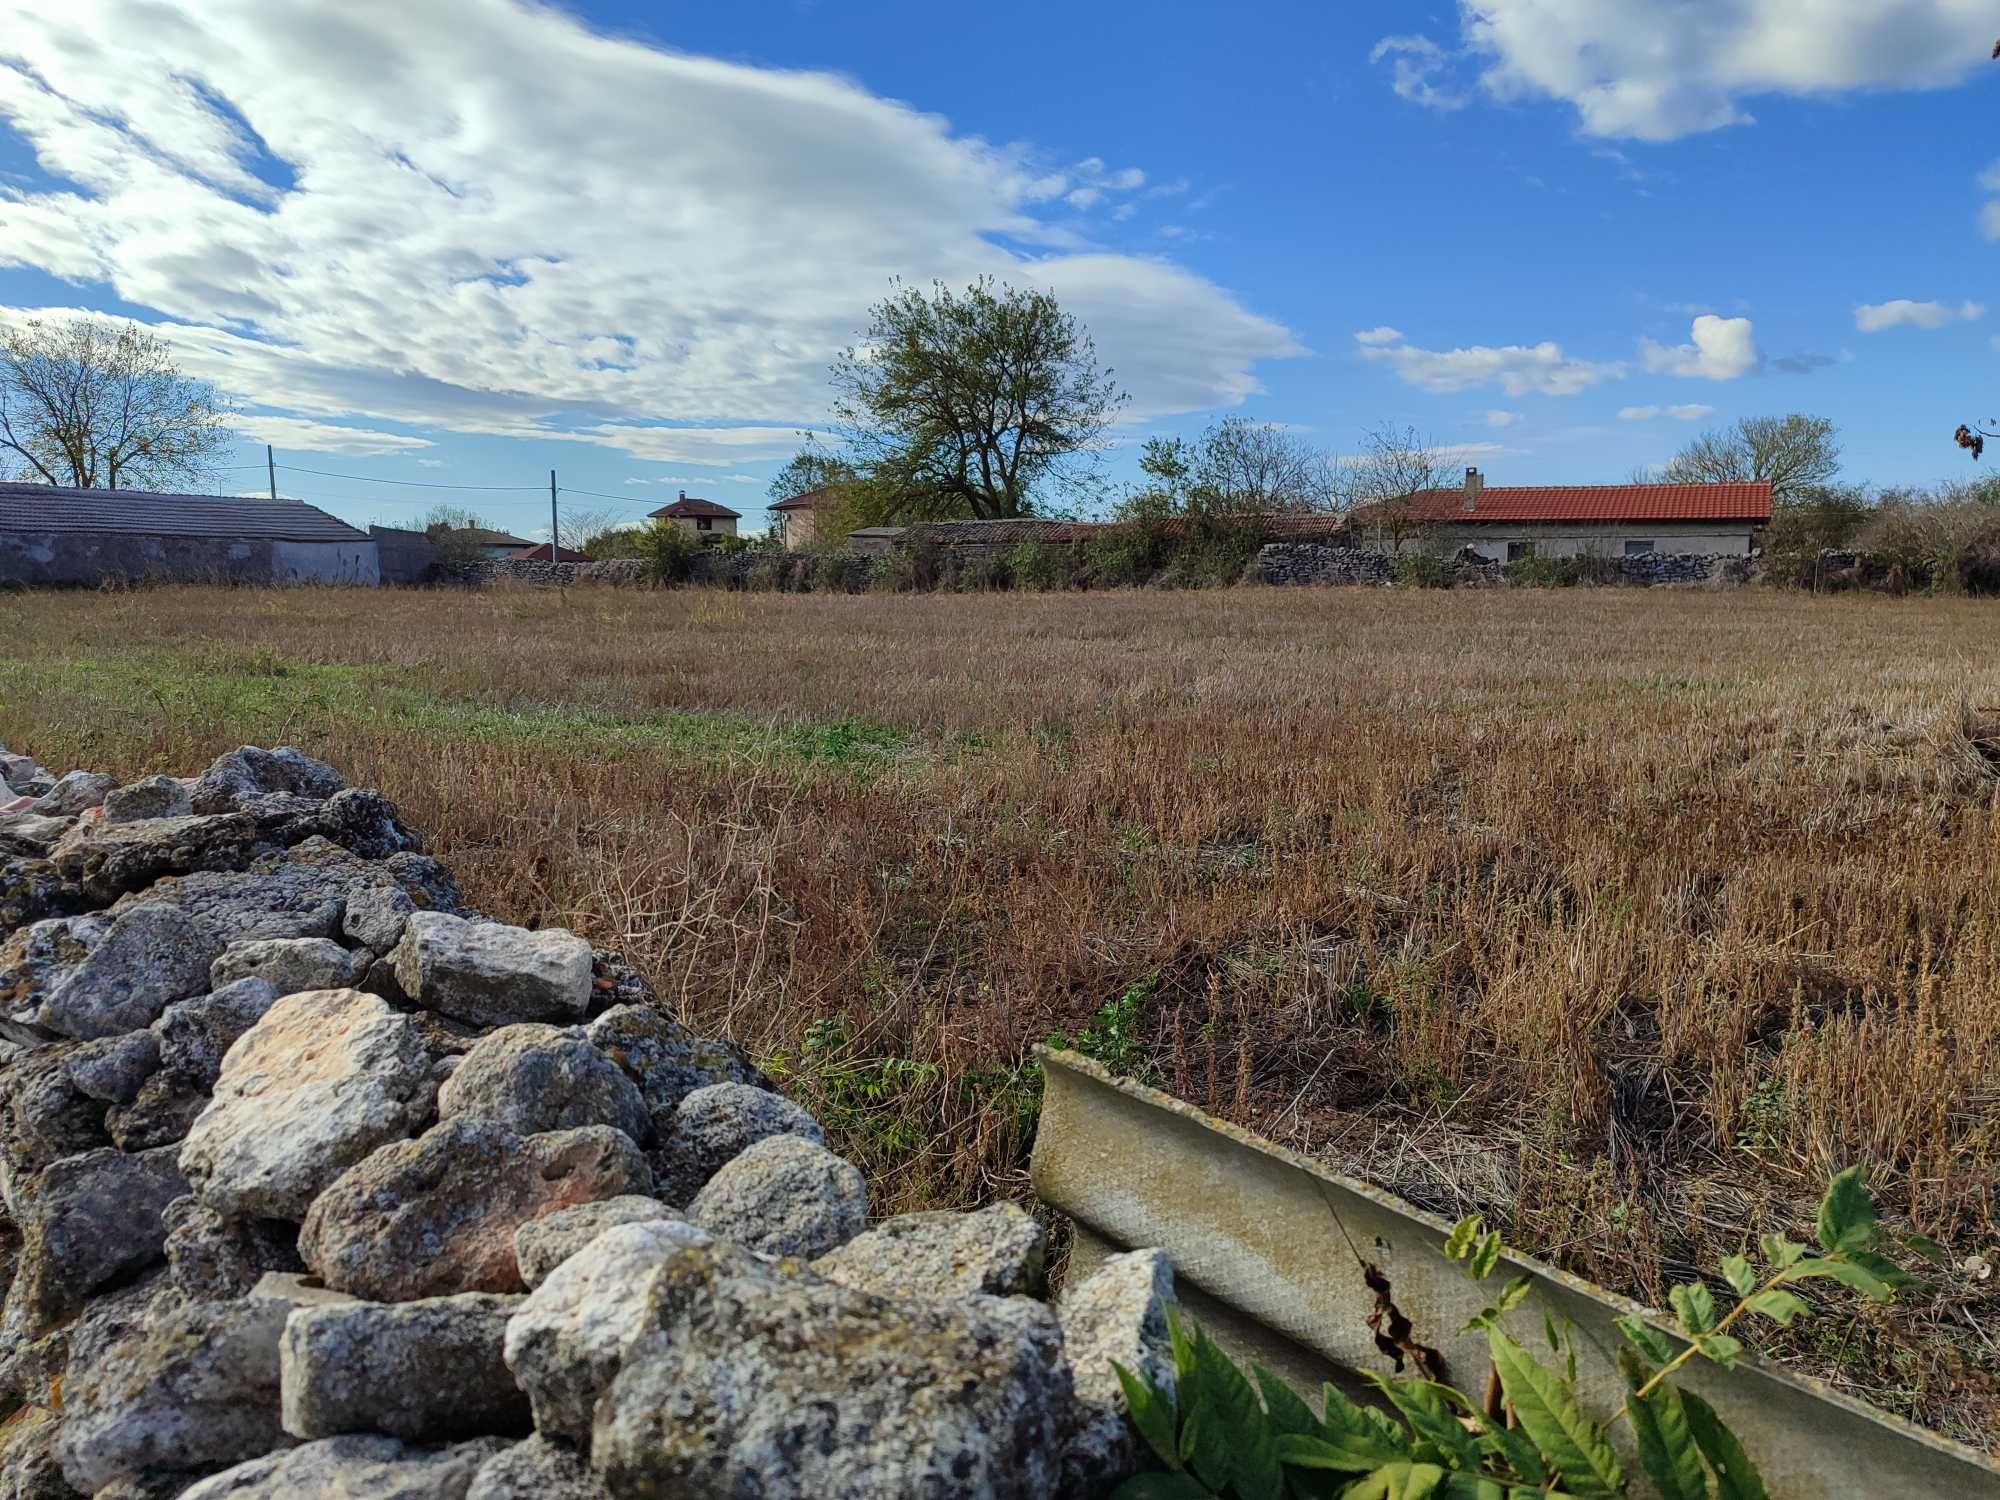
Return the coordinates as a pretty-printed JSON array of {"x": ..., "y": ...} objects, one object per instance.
[
  {"x": 1217, "y": 1432},
  {"x": 1112, "y": 1037}
]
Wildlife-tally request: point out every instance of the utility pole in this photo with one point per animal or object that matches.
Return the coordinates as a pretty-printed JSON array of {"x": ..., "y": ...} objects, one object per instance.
[
  {"x": 552, "y": 515},
  {"x": 271, "y": 467}
]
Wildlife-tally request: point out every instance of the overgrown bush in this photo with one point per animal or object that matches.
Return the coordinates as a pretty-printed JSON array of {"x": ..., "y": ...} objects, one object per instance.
[
  {"x": 1041, "y": 565},
  {"x": 667, "y": 550},
  {"x": 1421, "y": 568},
  {"x": 1803, "y": 526},
  {"x": 1124, "y": 556},
  {"x": 1930, "y": 535}
]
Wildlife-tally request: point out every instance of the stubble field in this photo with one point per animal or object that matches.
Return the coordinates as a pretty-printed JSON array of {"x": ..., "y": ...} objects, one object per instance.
[{"x": 1623, "y": 917}]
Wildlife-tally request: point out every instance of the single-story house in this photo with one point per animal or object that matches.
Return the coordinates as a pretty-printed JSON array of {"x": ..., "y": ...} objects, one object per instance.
[
  {"x": 796, "y": 520},
  {"x": 541, "y": 554},
  {"x": 1506, "y": 523},
  {"x": 483, "y": 542},
  {"x": 53, "y": 535},
  {"x": 703, "y": 517}
]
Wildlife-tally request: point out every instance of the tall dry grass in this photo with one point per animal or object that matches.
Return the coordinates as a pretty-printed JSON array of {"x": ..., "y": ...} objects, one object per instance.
[{"x": 1623, "y": 917}]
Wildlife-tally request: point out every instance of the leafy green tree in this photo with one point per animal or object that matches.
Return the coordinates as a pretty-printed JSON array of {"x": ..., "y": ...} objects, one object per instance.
[
  {"x": 1795, "y": 453},
  {"x": 1236, "y": 468},
  {"x": 975, "y": 403}
]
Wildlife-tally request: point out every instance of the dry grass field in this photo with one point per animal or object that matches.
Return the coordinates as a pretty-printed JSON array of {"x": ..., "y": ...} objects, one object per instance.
[{"x": 1623, "y": 917}]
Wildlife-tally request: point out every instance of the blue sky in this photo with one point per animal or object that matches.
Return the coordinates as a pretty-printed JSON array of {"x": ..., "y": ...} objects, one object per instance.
[{"x": 468, "y": 241}]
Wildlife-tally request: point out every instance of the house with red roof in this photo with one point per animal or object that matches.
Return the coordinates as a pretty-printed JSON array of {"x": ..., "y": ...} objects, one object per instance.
[
  {"x": 707, "y": 520},
  {"x": 540, "y": 553},
  {"x": 1507, "y": 523},
  {"x": 796, "y": 519}
]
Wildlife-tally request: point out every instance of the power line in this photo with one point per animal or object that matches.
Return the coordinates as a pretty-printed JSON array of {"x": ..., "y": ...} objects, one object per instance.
[
  {"x": 600, "y": 495},
  {"x": 418, "y": 484}
]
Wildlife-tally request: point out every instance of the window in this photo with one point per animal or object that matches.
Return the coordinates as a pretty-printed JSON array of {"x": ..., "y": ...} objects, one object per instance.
[
  {"x": 1516, "y": 551},
  {"x": 1638, "y": 549},
  {"x": 704, "y": 523}
]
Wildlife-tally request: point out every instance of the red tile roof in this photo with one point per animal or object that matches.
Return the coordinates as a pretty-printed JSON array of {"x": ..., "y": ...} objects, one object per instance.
[
  {"x": 689, "y": 506},
  {"x": 541, "y": 554},
  {"x": 1518, "y": 504}
]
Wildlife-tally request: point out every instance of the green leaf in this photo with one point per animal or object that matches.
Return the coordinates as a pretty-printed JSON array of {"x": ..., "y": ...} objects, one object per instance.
[
  {"x": 1667, "y": 1450},
  {"x": 1779, "y": 1305},
  {"x": 1361, "y": 1429},
  {"x": 1163, "y": 1487},
  {"x": 1190, "y": 1435},
  {"x": 1778, "y": 1251},
  {"x": 1238, "y": 1447},
  {"x": 1516, "y": 1450},
  {"x": 1846, "y": 1213},
  {"x": 1183, "y": 1347},
  {"x": 1721, "y": 1348},
  {"x": 1927, "y": 1247},
  {"x": 1460, "y": 1486},
  {"x": 1847, "y": 1273},
  {"x": 1894, "y": 1275},
  {"x": 1548, "y": 1411},
  {"x": 1401, "y": 1480},
  {"x": 1647, "y": 1339},
  {"x": 1736, "y": 1478},
  {"x": 1151, "y": 1413},
  {"x": 1458, "y": 1244},
  {"x": 1288, "y": 1411},
  {"x": 1694, "y": 1305},
  {"x": 1425, "y": 1407},
  {"x": 1742, "y": 1275},
  {"x": 1486, "y": 1256},
  {"x": 1510, "y": 1298},
  {"x": 1299, "y": 1451}
]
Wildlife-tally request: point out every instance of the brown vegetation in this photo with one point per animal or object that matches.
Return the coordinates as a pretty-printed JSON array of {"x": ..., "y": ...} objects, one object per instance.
[{"x": 1620, "y": 916}]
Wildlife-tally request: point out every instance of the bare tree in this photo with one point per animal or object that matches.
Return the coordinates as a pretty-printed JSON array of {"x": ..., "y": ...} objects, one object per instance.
[
  {"x": 454, "y": 531},
  {"x": 1391, "y": 485},
  {"x": 1794, "y": 453},
  {"x": 88, "y": 404},
  {"x": 582, "y": 522},
  {"x": 1262, "y": 468}
]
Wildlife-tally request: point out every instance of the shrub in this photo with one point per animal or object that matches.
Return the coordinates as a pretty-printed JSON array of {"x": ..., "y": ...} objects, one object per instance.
[
  {"x": 1579, "y": 569},
  {"x": 1124, "y": 556},
  {"x": 1824, "y": 518},
  {"x": 1929, "y": 535},
  {"x": 667, "y": 550},
  {"x": 1038, "y": 565},
  {"x": 1422, "y": 569}
]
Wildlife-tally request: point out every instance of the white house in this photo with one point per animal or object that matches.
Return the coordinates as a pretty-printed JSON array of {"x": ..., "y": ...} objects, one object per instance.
[{"x": 1509, "y": 523}]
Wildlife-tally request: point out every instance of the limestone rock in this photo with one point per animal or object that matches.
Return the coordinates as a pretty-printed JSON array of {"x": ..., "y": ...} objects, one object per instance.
[
  {"x": 540, "y": 1245},
  {"x": 537, "y": 1469},
  {"x": 786, "y": 1195},
  {"x": 244, "y": 775},
  {"x": 33, "y": 834},
  {"x": 28, "y": 1467},
  {"x": 533, "y": 1078},
  {"x": 565, "y": 1343},
  {"x": 34, "y": 961},
  {"x": 320, "y": 1081},
  {"x": 115, "y": 1068},
  {"x": 714, "y": 1125},
  {"x": 275, "y": 897},
  {"x": 354, "y": 1468},
  {"x": 30, "y": 1368},
  {"x": 32, "y": 890},
  {"x": 191, "y": 1038},
  {"x": 299, "y": 1289},
  {"x": 196, "y": 1388},
  {"x": 150, "y": 956},
  {"x": 289, "y": 965},
  {"x": 109, "y": 859},
  {"x": 212, "y": 1258},
  {"x": 754, "y": 1378},
  {"x": 44, "y": 1117},
  {"x": 491, "y": 973},
  {"x": 1118, "y": 1313},
  {"x": 154, "y": 797},
  {"x": 90, "y": 1219},
  {"x": 437, "y": 1215},
  {"x": 996, "y": 1252},
  {"x": 77, "y": 792},
  {"x": 376, "y": 914},
  {"x": 423, "y": 1371},
  {"x": 665, "y": 1059}
]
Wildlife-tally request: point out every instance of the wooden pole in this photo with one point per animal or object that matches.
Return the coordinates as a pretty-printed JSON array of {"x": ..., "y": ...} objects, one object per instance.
[
  {"x": 271, "y": 468},
  {"x": 552, "y": 515}
]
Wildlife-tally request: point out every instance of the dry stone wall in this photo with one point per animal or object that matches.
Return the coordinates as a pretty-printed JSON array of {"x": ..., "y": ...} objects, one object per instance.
[{"x": 314, "y": 1181}]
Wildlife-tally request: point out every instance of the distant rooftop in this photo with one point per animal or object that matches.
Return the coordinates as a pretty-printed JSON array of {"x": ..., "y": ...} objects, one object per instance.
[
  {"x": 50, "y": 508},
  {"x": 690, "y": 507},
  {"x": 540, "y": 553}
]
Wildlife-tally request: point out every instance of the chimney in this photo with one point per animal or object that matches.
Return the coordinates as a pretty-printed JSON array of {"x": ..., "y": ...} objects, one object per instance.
[
  {"x": 1474, "y": 483},
  {"x": 684, "y": 494}
]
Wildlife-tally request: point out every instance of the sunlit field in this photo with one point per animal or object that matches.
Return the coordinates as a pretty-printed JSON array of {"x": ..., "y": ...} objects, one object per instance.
[{"x": 1620, "y": 916}]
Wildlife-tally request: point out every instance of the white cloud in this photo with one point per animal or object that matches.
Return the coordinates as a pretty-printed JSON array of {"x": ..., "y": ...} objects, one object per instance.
[
  {"x": 1723, "y": 349},
  {"x": 1517, "y": 369},
  {"x": 430, "y": 463},
  {"x": 1417, "y": 63},
  {"x": 1656, "y": 72},
  {"x": 1989, "y": 219},
  {"x": 1876, "y": 317},
  {"x": 1689, "y": 413},
  {"x": 481, "y": 216},
  {"x": 302, "y": 435},
  {"x": 1498, "y": 419}
]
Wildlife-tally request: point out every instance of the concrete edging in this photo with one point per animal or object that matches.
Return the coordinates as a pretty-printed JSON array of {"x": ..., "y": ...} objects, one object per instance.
[{"x": 1252, "y": 1229}]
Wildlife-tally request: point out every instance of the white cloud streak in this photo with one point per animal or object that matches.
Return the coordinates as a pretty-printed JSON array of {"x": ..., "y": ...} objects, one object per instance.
[
  {"x": 1518, "y": 369},
  {"x": 1416, "y": 63},
  {"x": 300, "y": 434},
  {"x": 1901, "y": 312},
  {"x": 480, "y": 216}
]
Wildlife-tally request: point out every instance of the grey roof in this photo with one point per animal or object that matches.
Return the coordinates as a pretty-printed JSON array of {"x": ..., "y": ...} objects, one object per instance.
[{"x": 45, "y": 508}]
